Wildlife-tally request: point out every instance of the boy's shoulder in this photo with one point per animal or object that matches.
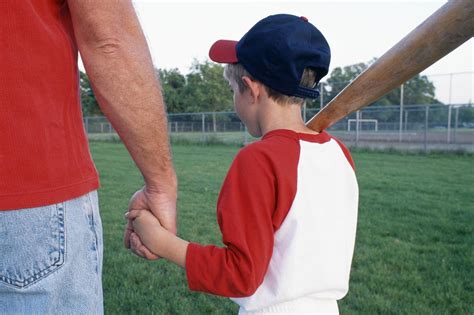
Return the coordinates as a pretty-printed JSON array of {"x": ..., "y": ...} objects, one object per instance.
[
  {"x": 276, "y": 151},
  {"x": 274, "y": 144},
  {"x": 282, "y": 147}
]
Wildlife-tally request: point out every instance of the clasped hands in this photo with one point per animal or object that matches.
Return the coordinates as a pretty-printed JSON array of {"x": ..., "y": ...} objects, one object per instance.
[{"x": 151, "y": 215}]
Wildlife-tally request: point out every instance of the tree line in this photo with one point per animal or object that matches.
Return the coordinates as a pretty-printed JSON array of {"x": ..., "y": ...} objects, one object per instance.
[{"x": 204, "y": 89}]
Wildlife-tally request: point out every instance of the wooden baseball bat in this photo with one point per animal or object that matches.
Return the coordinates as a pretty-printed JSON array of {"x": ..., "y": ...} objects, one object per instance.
[{"x": 439, "y": 34}]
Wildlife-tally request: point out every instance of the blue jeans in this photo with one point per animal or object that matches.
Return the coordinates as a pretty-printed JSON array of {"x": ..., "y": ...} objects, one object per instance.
[{"x": 51, "y": 259}]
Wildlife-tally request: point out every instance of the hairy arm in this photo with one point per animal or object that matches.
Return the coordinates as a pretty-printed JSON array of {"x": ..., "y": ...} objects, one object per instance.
[
  {"x": 119, "y": 65},
  {"x": 118, "y": 62}
]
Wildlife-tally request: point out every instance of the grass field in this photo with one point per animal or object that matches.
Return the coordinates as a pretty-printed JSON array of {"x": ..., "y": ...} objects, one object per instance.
[{"x": 414, "y": 250}]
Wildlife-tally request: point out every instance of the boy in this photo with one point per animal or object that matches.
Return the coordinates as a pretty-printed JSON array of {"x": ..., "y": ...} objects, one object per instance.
[{"x": 288, "y": 206}]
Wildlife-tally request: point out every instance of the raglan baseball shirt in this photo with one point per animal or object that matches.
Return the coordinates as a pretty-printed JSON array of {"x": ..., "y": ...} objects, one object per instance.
[{"x": 287, "y": 212}]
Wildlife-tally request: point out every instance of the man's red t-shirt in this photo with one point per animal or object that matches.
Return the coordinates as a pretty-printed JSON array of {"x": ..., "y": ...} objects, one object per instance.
[{"x": 44, "y": 154}]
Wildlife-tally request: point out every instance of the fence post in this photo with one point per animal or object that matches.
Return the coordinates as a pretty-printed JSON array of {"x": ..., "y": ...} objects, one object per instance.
[
  {"x": 203, "y": 123},
  {"x": 203, "y": 119},
  {"x": 449, "y": 108},
  {"x": 425, "y": 144},
  {"x": 456, "y": 120},
  {"x": 449, "y": 123},
  {"x": 214, "y": 126},
  {"x": 406, "y": 121},
  {"x": 401, "y": 114},
  {"x": 87, "y": 125},
  {"x": 357, "y": 127}
]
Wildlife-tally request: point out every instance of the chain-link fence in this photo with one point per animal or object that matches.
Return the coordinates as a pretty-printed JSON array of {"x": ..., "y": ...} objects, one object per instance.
[{"x": 418, "y": 127}]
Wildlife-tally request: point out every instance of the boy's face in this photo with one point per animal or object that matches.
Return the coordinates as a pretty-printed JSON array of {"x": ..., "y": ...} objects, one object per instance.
[{"x": 246, "y": 109}]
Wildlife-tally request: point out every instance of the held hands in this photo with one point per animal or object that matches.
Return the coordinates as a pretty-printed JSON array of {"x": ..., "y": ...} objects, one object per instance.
[
  {"x": 156, "y": 238},
  {"x": 162, "y": 205},
  {"x": 147, "y": 229},
  {"x": 151, "y": 228}
]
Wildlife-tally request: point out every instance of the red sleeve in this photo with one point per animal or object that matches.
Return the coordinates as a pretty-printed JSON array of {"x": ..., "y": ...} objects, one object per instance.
[
  {"x": 255, "y": 198},
  {"x": 244, "y": 211}
]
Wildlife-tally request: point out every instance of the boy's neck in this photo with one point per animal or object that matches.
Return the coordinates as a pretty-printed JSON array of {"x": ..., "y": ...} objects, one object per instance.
[{"x": 273, "y": 116}]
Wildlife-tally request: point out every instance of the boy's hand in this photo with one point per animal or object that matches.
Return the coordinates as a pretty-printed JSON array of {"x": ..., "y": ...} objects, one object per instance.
[
  {"x": 162, "y": 203},
  {"x": 149, "y": 231},
  {"x": 147, "y": 227},
  {"x": 136, "y": 245}
]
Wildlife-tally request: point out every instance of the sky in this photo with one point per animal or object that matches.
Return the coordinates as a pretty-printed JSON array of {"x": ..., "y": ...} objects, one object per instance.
[{"x": 179, "y": 31}]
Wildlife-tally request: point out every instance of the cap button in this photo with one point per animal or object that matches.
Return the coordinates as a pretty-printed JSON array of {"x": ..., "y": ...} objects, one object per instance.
[{"x": 304, "y": 18}]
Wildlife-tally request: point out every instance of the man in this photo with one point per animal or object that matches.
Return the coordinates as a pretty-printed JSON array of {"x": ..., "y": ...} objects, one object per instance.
[{"x": 50, "y": 229}]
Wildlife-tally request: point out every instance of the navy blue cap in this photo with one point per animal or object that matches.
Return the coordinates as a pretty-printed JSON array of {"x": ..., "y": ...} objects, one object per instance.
[{"x": 276, "y": 51}]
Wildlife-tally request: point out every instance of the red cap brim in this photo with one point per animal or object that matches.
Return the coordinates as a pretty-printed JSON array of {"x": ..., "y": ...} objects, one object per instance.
[{"x": 224, "y": 51}]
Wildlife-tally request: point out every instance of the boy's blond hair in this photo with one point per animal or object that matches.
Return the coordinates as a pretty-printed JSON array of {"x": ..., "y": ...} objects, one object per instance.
[{"x": 235, "y": 72}]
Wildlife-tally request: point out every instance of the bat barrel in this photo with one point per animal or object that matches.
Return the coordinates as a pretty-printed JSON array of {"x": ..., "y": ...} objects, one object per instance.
[{"x": 441, "y": 33}]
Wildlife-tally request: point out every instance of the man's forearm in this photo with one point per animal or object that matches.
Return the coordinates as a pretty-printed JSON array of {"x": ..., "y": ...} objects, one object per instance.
[{"x": 117, "y": 60}]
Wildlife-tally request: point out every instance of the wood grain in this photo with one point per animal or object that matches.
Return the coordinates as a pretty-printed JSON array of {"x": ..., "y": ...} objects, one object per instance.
[{"x": 438, "y": 35}]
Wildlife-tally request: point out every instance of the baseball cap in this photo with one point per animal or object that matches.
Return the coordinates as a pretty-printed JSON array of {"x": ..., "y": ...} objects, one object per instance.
[{"x": 276, "y": 51}]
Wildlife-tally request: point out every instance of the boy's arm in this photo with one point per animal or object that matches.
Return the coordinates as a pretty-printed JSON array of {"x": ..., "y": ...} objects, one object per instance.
[
  {"x": 245, "y": 210},
  {"x": 249, "y": 212}
]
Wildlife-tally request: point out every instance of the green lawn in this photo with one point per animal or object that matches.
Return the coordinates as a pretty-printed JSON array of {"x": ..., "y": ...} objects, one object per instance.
[{"x": 414, "y": 250}]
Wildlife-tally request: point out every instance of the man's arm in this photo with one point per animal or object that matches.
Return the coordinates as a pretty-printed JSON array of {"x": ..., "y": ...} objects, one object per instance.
[{"x": 118, "y": 62}]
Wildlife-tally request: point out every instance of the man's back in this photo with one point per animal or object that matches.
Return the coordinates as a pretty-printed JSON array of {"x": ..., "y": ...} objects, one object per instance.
[
  {"x": 51, "y": 247},
  {"x": 44, "y": 154}
]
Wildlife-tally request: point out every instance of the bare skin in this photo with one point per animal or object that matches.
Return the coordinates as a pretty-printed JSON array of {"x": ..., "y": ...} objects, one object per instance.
[
  {"x": 261, "y": 114},
  {"x": 117, "y": 60},
  {"x": 160, "y": 241}
]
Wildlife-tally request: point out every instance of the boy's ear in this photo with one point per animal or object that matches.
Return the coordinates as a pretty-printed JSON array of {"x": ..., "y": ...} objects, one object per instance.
[{"x": 254, "y": 87}]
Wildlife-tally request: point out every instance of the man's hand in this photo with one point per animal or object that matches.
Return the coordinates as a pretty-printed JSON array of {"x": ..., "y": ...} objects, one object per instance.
[{"x": 159, "y": 203}]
